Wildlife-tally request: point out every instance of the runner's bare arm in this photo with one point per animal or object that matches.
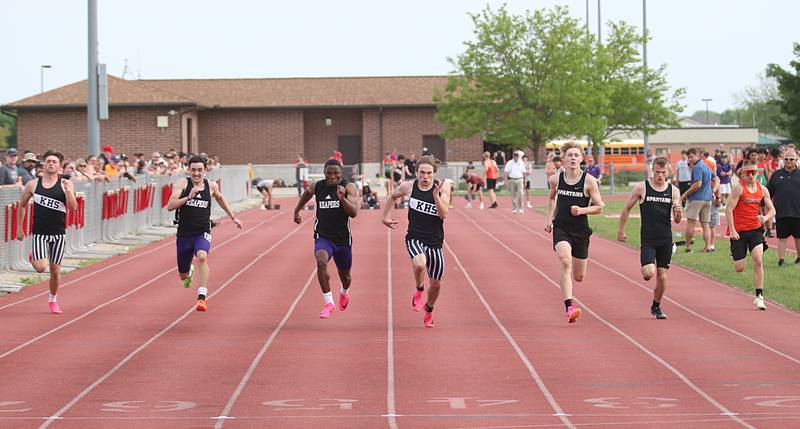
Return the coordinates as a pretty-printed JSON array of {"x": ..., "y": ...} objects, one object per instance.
[
  {"x": 593, "y": 189},
  {"x": 217, "y": 195},
  {"x": 770, "y": 207},
  {"x": 27, "y": 194},
  {"x": 677, "y": 210},
  {"x": 399, "y": 192},
  {"x": 732, "y": 201},
  {"x": 551, "y": 202},
  {"x": 635, "y": 197},
  {"x": 175, "y": 199},
  {"x": 308, "y": 194},
  {"x": 349, "y": 198},
  {"x": 69, "y": 192},
  {"x": 441, "y": 196}
]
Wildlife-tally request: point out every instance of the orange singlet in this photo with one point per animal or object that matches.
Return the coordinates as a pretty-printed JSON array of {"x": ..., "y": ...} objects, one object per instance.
[
  {"x": 745, "y": 214},
  {"x": 491, "y": 169}
]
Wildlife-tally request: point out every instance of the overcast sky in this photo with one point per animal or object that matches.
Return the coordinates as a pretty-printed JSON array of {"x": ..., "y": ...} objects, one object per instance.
[{"x": 713, "y": 48}]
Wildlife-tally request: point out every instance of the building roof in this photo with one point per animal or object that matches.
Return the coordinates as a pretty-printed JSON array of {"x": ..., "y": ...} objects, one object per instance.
[{"x": 250, "y": 93}]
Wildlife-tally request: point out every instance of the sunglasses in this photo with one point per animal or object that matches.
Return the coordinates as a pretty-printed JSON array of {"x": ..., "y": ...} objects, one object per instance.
[
  {"x": 790, "y": 159},
  {"x": 750, "y": 172}
]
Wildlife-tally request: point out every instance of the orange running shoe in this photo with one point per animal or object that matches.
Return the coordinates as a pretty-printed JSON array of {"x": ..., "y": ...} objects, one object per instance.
[
  {"x": 201, "y": 305},
  {"x": 573, "y": 313}
]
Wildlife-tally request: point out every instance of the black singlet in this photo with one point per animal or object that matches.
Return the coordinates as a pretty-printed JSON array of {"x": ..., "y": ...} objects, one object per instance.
[
  {"x": 655, "y": 210},
  {"x": 194, "y": 217},
  {"x": 424, "y": 223},
  {"x": 49, "y": 209},
  {"x": 568, "y": 196},
  {"x": 332, "y": 222}
]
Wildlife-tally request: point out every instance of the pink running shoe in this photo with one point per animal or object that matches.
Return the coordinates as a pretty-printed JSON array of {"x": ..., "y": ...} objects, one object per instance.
[
  {"x": 54, "y": 308},
  {"x": 428, "y": 319},
  {"x": 327, "y": 310},
  {"x": 573, "y": 313},
  {"x": 416, "y": 301},
  {"x": 343, "y": 301}
]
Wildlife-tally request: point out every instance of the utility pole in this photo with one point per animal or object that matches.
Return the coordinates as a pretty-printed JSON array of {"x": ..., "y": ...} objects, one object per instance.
[
  {"x": 41, "y": 76},
  {"x": 644, "y": 61},
  {"x": 707, "y": 100},
  {"x": 599, "y": 25},
  {"x": 92, "y": 104}
]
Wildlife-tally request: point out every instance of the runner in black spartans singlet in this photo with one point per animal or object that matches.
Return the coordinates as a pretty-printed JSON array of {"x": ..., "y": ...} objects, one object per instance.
[
  {"x": 573, "y": 195},
  {"x": 428, "y": 205},
  {"x": 658, "y": 201},
  {"x": 52, "y": 196},
  {"x": 337, "y": 202}
]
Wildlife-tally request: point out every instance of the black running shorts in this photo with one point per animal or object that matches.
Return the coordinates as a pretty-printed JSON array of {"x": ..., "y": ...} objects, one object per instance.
[
  {"x": 748, "y": 240},
  {"x": 491, "y": 184},
  {"x": 577, "y": 239},
  {"x": 661, "y": 255},
  {"x": 788, "y": 226}
]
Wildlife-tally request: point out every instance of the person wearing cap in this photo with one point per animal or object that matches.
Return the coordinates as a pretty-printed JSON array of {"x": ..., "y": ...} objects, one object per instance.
[
  {"x": 9, "y": 175},
  {"x": 514, "y": 173},
  {"x": 108, "y": 152},
  {"x": 27, "y": 170},
  {"x": 112, "y": 168}
]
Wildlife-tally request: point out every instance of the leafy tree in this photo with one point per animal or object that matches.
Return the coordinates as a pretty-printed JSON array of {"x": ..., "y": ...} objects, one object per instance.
[
  {"x": 8, "y": 131},
  {"x": 528, "y": 79},
  {"x": 521, "y": 81},
  {"x": 789, "y": 90}
]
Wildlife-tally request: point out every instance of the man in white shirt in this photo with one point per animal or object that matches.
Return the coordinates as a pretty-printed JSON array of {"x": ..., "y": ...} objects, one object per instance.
[{"x": 514, "y": 173}]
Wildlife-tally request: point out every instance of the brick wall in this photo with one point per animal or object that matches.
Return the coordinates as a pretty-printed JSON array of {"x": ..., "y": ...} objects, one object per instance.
[
  {"x": 321, "y": 140},
  {"x": 251, "y": 136},
  {"x": 128, "y": 130},
  {"x": 403, "y": 130}
]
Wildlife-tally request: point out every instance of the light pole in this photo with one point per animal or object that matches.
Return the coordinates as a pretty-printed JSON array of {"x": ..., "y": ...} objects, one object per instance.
[
  {"x": 644, "y": 62},
  {"x": 41, "y": 76},
  {"x": 706, "y": 100}
]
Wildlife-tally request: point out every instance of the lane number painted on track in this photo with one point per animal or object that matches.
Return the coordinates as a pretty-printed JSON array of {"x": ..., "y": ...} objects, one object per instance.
[
  {"x": 462, "y": 403},
  {"x": 647, "y": 402},
  {"x": 158, "y": 406},
  {"x": 309, "y": 404},
  {"x": 775, "y": 401},
  {"x": 5, "y": 407}
]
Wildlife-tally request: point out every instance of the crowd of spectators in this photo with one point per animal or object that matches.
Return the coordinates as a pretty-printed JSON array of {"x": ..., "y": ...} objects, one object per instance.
[{"x": 17, "y": 169}]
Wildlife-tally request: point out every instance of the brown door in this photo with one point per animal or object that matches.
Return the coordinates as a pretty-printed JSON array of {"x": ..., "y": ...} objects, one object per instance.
[
  {"x": 350, "y": 147},
  {"x": 436, "y": 147}
]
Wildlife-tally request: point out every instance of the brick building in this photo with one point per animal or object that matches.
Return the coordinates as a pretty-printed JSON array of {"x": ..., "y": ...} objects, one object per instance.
[{"x": 261, "y": 121}]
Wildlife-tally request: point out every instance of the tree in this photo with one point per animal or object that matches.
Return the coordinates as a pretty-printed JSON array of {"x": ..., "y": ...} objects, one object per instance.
[
  {"x": 521, "y": 81},
  {"x": 8, "y": 131},
  {"x": 789, "y": 90},
  {"x": 528, "y": 79}
]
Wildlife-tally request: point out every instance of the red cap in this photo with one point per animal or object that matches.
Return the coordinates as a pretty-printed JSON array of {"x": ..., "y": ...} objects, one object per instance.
[{"x": 108, "y": 148}]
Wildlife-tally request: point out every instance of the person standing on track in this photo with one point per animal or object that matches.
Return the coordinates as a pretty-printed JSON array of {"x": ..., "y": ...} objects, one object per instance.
[
  {"x": 52, "y": 195},
  {"x": 784, "y": 186},
  {"x": 337, "y": 202},
  {"x": 657, "y": 199},
  {"x": 573, "y": 195},
  {"x": 490, "y": 174},
  {"x": 192, "y": 200},
  {"x": 747, "y": 226},
  {"x": 428, "y": 207}
]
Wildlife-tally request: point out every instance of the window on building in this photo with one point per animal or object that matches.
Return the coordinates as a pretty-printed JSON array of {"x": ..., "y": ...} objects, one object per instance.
[{"x": 662, "y": 151}]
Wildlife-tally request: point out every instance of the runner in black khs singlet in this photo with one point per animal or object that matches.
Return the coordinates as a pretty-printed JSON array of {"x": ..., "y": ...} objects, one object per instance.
[
  {"x": 428, "y": 205},
  {"x": 658, "y": 200},
  {"x": 337, "y": 202},
  {"x": 573, "y": 195},
  {"x": 52, "y": 196},
  {"x": 192, "y": 199}
]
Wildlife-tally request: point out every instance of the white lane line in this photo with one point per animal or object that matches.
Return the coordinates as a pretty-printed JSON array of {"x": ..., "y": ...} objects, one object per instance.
[
  {"x": 531, "y": 369},
  {"x": 152, "y": 339},
  {"x": 106, "y": 268},
  {"x": 391, "y": 407},
  {"x": 109, "y": 302},
  {"x": 633, "y": 341},
  {"x": 224, "y": 415},
  {"x": 676, "y": 303}
]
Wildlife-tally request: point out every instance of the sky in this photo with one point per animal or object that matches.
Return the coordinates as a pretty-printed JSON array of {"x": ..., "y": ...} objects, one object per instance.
[{"x": 713, "y": 48}]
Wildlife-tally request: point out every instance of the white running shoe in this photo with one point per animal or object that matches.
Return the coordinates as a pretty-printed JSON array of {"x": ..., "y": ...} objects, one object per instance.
[
  {"x": 468, "y": 206},
  {"x": 530, "y": 206},
  {"x": 481, "y": 206},
  {"x": 514, "y": 211},
  {"x": 759, "y": 302},
  {"x": 520, "y": 211}
]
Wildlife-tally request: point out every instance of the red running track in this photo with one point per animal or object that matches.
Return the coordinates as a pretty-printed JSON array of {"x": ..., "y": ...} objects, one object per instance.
[{"x": 129, "y": 351}]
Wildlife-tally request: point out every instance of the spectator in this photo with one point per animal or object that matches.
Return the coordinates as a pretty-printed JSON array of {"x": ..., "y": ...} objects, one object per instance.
[
  {"x": 683, "y": 175},
  {"x": 699, "y": 196},
  {"x": 724, "y": 172},
  {"x": 514, "y": 174},
  {"x": 27, "y": 171},
  {"x": 108, "y": 152},
  {"x": 112, "y": 167},
  {"x": 784, "y": 187},
  {"x": 337, "y": 156},
  {"x": 410, "y": 167},
  {"x": 594, "y": 170},
  {"x": 9, "y": 172},
  {"x": 301, "y": 174}
]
